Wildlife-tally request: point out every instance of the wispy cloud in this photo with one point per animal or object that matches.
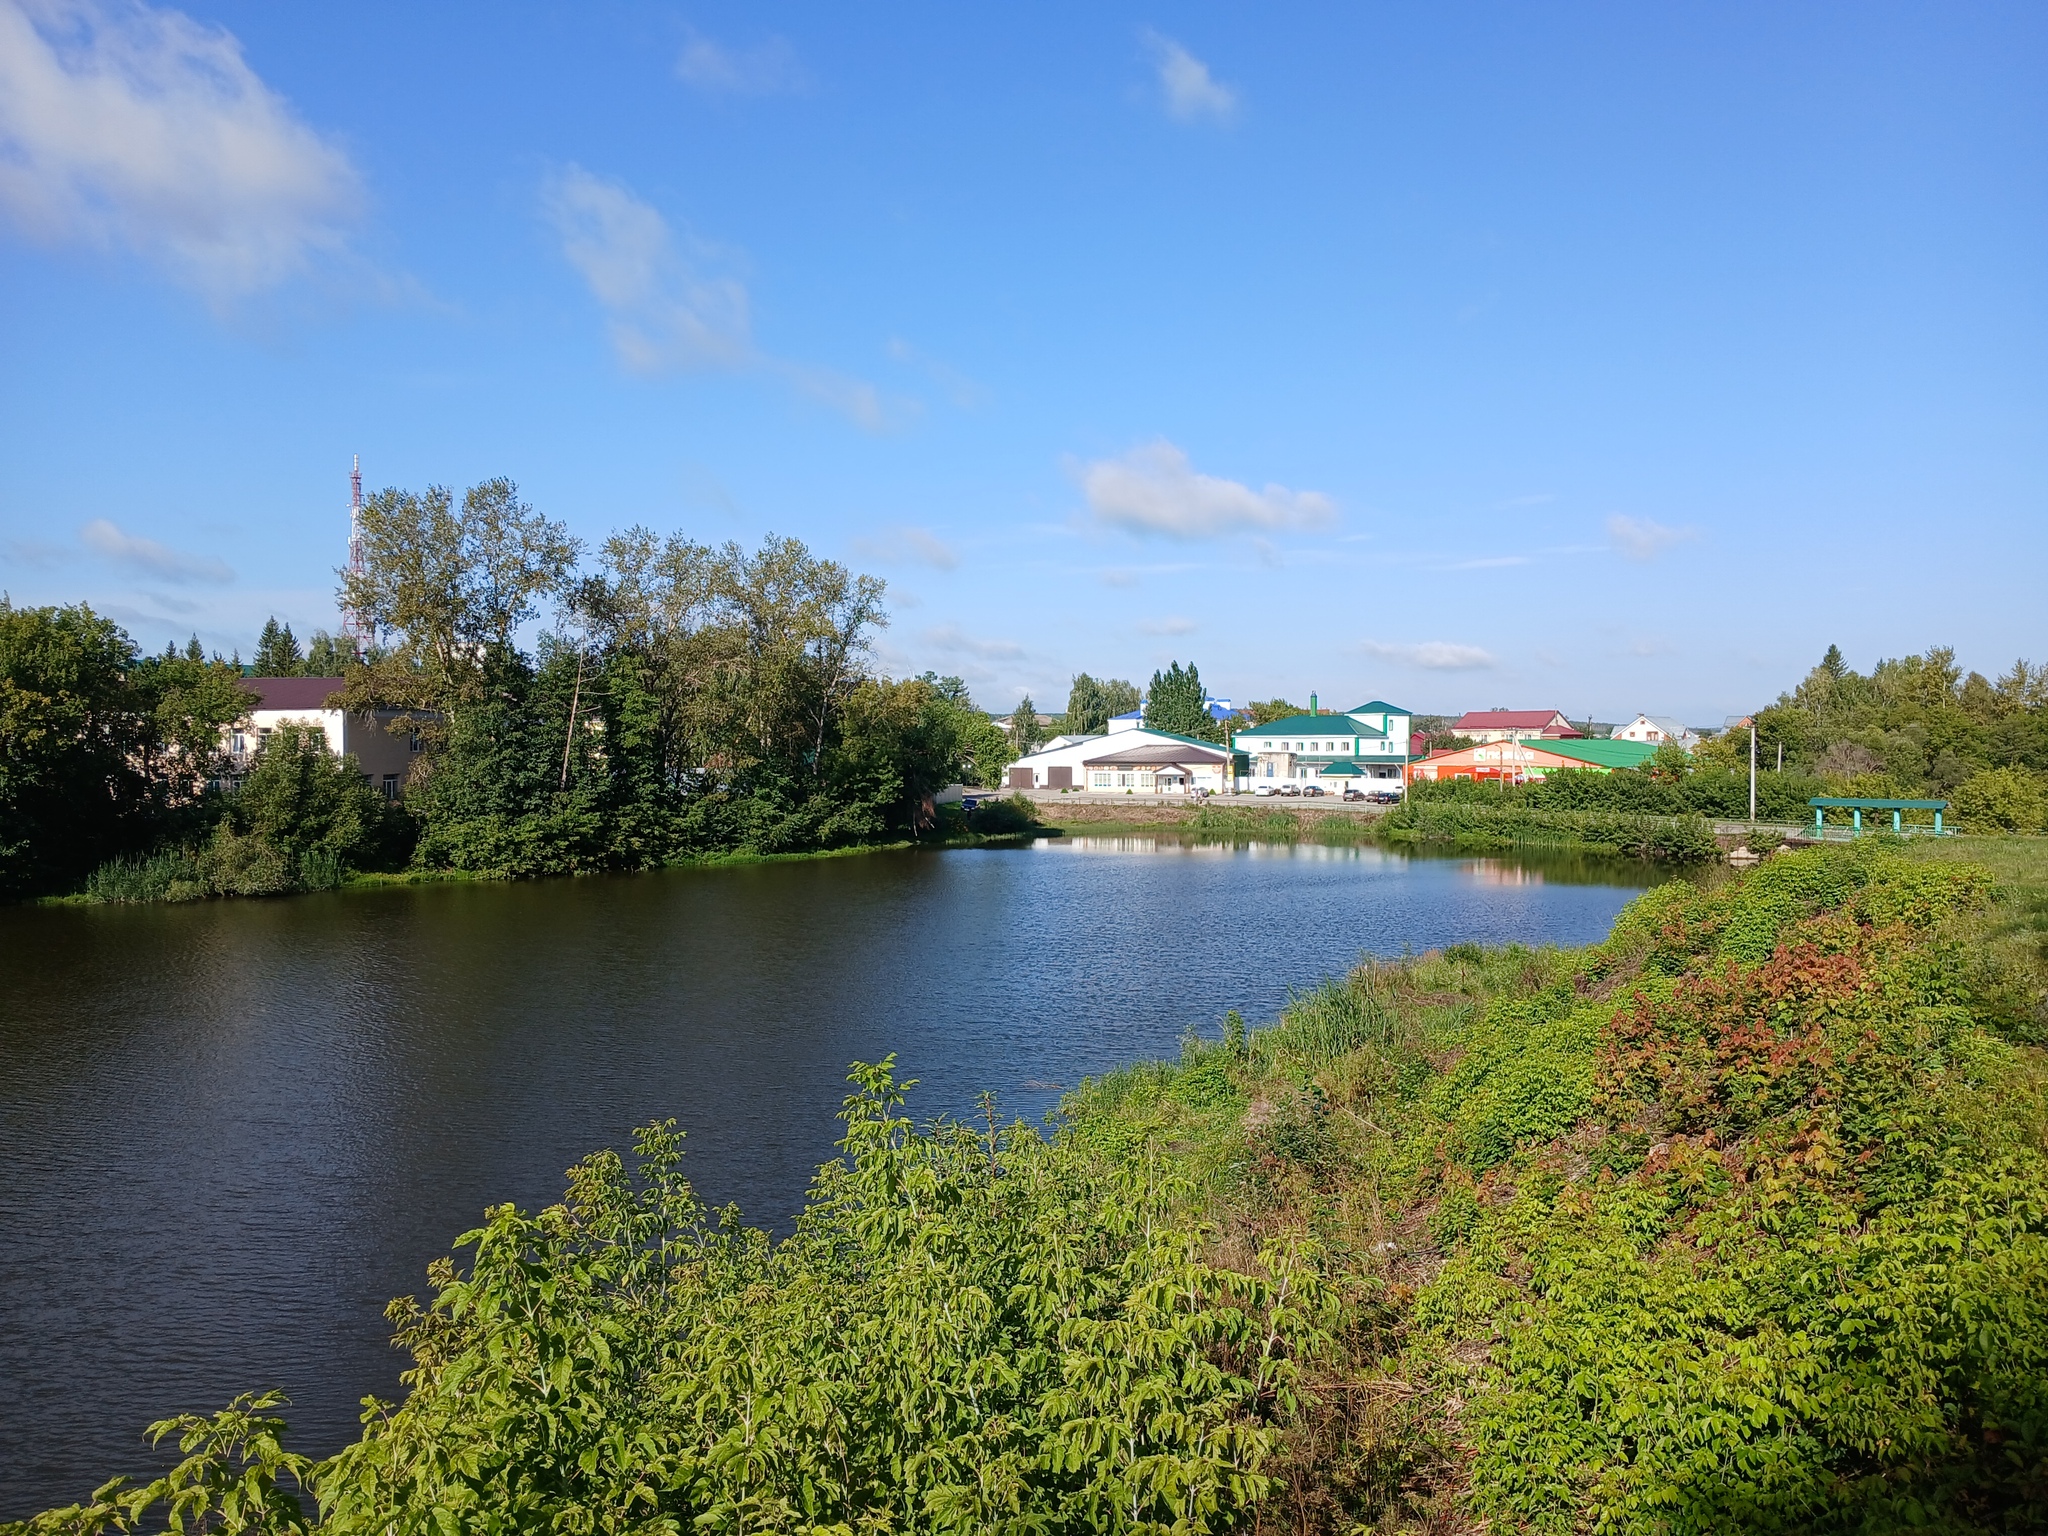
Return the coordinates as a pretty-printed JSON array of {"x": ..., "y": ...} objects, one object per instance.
[
  {"x": 961, "y": 390},
  {"x": 1119, "y": 578},
  {"x": 1168, "y": 626},
  {"x": 951, "y": 639},
  {"x": 907, "y": 544},
  {"x": 1433, "y": 655},
  {"x": 768, "y": 68},
  {"x": 33, "y": 553},
  {"x": 1638, "y": 538},
  {"x": 137, "y": 127},
  {"x": 1487, "y": 563},
  {"x": 664, "y": 309},
  {"x": 150, "y": 558},
  {"x": 675, "y": 304},
  {"x": 1189, "y": 91},
  {"x": 1154, "y": 490}
]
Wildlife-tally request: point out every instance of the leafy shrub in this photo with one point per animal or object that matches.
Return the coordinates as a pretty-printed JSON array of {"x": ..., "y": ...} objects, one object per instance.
[
  {"x": 1004, "y": 818},
  {"x": 169, "y": 875},
  {"x": 1474, "y": 822},
  {"x": 2002, "y": 800},
  {"x": 964, "y": 1333}
]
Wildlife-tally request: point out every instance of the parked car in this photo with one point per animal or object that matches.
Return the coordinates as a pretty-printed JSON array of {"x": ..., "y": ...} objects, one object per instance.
[
  {"x": 1266, "y": 787},
  {"x": 1290, "y": 788},
  {"x": 1312, "y": 789},
  {"x": 1386, "y": 797},
  {"x": 1355, "y": 794}
]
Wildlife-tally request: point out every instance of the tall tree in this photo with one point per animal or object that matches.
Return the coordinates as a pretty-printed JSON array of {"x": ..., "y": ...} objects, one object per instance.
[
  {"x": 327, "y": 656},
  {"x": 1024, "y": 733},
  {"x": 1087, "y": 709},
  {"x": 1263, "y": 711},
  {"x": 1177, "y": 703},
  {"x": 1119, "y": 697},
  {"x": 277, "y": 651}
]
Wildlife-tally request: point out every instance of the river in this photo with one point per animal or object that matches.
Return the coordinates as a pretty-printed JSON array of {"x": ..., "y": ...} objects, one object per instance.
[{"x": 233, "y": 1130}]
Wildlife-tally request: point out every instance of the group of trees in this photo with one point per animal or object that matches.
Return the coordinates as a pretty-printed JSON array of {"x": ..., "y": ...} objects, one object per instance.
[
  {"x": 1914, "y": 727},
  {"x": 278, "y": 653},
  {"x": 686, "y": 700},
  {"x": 682, "y": 700}
]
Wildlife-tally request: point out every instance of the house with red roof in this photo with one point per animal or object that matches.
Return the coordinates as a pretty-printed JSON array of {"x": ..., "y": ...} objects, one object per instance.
[{"x": 1514, "y": 725}]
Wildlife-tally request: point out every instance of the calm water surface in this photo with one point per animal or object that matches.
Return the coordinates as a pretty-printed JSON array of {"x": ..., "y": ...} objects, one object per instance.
[{"x": 232, "y": 1131}]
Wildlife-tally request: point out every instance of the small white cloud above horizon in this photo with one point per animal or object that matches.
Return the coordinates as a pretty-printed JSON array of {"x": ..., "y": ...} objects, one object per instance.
[
  {"x": 149, "y": 558},
  {"x": 1639, "y": 538},
  {"x": 1189, "y": 91},
  {"x": 1174, "y": 625},
  {"x": 671, "y": 305},
  {"x": 952, "y": 640},
  {"x": 1153, "y": 489},
  {"x": 1432, "y": 655},
  {"x": 769, "y": 68},
  {"x": 136, "y": 127},
  {"x": 908, "y": 544}
]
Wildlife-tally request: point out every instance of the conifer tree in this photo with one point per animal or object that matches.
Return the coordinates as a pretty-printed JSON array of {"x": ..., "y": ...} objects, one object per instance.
[
  {"x": 277, "y": 651},
  {"x": 1177, "y": 703}
]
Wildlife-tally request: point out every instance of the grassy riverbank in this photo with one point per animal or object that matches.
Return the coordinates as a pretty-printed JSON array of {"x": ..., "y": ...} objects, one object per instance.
[{"x": 1737, "y": 1221}]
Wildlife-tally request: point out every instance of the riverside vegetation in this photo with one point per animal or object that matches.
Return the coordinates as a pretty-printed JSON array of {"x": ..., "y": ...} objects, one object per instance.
[{"x": 1737, "y": 1221}]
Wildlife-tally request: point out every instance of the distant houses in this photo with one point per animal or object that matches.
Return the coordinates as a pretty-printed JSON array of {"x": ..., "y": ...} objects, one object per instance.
[
  {"x": 1513, "y": 725},
  {"x": 1372, "y": 747},
  {"x": 1657, "y": 730}
]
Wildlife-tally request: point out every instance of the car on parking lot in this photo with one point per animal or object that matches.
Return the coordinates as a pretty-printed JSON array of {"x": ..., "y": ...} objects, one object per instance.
[
  {"x": 1354, "y": 794},
  {"x": 1386, "y": 797},
  {"x": 1312, "y": 789},
  {"x": 1267, "y": 787},
  {"x": 1290, "y": 788}
]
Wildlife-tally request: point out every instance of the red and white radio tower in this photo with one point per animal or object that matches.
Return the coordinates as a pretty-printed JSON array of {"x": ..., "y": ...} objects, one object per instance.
[{"x": 359, "y": 633}]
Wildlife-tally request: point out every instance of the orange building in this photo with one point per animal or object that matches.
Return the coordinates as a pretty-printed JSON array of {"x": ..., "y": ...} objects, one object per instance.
[{"x": 1518, "y": 762}]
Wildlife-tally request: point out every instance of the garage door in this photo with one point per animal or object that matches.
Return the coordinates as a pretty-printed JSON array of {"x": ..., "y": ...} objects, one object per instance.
[
  {"x": 1020, "y": 778},
  {"x": 1059, "y": 778}
]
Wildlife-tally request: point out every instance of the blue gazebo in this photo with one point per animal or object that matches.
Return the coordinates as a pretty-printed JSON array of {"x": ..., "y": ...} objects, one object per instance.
[{"x": 1822, "y": 804}]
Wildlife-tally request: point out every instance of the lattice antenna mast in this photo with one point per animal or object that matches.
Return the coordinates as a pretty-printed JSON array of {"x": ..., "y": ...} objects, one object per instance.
[{"x": 359, "y": 634}]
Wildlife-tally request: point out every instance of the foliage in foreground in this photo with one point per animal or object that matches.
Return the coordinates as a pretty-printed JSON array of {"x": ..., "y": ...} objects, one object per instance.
[
  {"x": 1736, "y": 1222},
  {"x": 1491, "y": 820},
  {"x": 968, "y": 1332}
]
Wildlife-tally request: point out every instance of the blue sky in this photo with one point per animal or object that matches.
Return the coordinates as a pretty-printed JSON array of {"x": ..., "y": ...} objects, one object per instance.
[{"x": 1604, "y": 358}]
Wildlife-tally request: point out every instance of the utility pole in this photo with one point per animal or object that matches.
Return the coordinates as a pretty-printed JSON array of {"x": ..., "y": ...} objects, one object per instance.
[{"x": 1752, "y": 770}]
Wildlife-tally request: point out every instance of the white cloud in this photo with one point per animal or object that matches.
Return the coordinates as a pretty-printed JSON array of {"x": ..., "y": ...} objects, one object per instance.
[
  {"x": 907, "y": 544},
  {"x": 668, "y": 308},
  {"x": 151, "y": 558},
  {"x": 951, "y": 639},
  {"x": 1638, "y": 538},
  {"x": 1167, "y": 626},
  {"x": 768, "y": 69},
  {"x": 1433, "y": 655},
  {"x": 1152, "y": 489},
  {"x": 137, "y": 127},
  {"x": 664, "y": 311},
  {"x": 1189, "y": 89}
]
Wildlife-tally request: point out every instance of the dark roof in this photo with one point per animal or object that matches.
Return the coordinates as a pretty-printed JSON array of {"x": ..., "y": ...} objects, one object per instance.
[
  {"x": 1152, "y": 755},
  {"x": 292, "y": 692},
  {"x": 1506, "y": 719}
]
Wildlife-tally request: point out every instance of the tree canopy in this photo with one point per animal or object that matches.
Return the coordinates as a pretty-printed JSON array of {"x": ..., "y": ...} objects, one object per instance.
[{"x": 1177, "y": 702}]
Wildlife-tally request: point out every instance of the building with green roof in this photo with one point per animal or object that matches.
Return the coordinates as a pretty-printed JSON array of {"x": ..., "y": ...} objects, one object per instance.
[{"x": 1362, "y": 748}]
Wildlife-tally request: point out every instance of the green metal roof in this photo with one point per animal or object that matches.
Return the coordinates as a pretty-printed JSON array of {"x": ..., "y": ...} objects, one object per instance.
[
  {"x": 1314, "y": 725},
  {"x": 1380, "y": 707},
  {"x": 1344, "y": 770},
  {"x": 1598, "y": 753},
  {"x": 1880, "y": 805}
]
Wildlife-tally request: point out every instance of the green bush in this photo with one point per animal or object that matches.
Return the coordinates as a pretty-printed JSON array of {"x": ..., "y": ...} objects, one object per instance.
[
  {"x": 170, "y": 875},
  {"x": 2001, "y": 800},
  {"x": 1004, "y": 818}
]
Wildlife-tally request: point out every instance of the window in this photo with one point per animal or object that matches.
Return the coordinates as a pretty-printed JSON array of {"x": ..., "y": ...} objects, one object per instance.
[
  {"x": 241, "y": 744},
  {"x": 1098, "y": 780},
  {"x": 412, "y": 740},
  {"x": 390, "y": 786}
]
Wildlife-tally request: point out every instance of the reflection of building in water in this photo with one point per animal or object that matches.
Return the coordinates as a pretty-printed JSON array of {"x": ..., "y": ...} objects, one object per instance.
[{"x": 1493, "y": 872}]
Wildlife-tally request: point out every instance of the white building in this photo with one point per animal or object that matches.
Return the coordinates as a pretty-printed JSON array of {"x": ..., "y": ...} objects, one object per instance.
[
  {"x": 1362, "y": 748},
  {"x": 385, "y": 759},
  {"x": 1657, "y": 729},
  {"x": 1130, "y": 757}
]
